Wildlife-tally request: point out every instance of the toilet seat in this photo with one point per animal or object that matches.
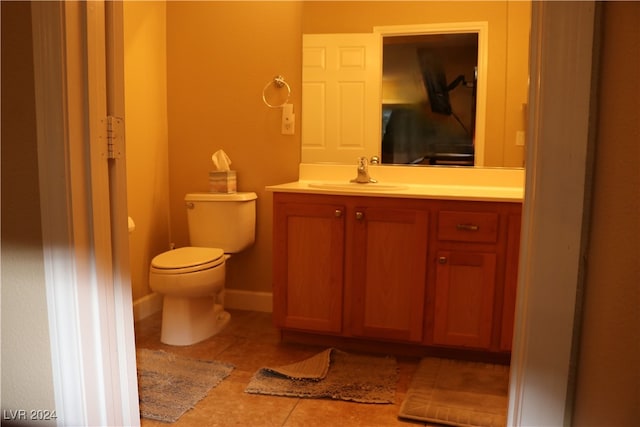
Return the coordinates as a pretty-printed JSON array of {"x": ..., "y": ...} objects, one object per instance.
[{"x": 187, "y": 260}]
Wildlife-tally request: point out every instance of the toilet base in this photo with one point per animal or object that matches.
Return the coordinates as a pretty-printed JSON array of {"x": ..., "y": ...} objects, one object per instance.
[{"x": 187, "y": 321}]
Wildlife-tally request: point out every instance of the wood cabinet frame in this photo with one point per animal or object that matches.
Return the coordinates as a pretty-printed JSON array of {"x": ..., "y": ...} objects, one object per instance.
[{"x": 359, "y": 230}]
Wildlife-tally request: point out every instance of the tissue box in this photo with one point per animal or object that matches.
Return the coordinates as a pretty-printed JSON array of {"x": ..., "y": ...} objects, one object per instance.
[{"x": 222, "y": 182}]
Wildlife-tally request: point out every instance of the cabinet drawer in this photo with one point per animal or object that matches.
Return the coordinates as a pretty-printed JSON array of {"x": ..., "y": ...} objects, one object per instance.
[{"x": 468, "y": 226}]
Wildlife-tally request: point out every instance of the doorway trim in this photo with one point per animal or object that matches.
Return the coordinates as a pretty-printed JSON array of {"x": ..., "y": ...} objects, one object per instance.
[
  {"x": 85, "y": 255},
  {"x": 552, "y": 249},
  {"x": 552, "y": 243}
]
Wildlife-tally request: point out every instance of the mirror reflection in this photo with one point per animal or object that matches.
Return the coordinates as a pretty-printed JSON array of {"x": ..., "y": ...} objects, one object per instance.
[
  {"x": 483, "y": 122},
  {"x": 429, "y": 86}
]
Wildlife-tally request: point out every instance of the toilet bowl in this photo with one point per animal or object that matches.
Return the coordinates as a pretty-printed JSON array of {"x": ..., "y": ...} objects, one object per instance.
[
  {"x": 191, "y": 279},
  {"x": 192, "y": 282}
]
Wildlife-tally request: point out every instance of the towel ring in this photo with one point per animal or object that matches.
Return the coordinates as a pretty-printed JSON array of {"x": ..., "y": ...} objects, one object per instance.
[{"x": 278, "y": 81}]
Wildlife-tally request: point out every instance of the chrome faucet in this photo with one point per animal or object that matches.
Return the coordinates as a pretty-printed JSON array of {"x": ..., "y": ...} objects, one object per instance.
[{"x": 363, "y": 172}]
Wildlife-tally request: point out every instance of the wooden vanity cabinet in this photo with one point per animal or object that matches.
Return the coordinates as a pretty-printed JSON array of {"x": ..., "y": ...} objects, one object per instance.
[
  {"x": 473, "y": 296},
  {"x": 428, "y": 272},
  {"x": 350, "y": 266}
]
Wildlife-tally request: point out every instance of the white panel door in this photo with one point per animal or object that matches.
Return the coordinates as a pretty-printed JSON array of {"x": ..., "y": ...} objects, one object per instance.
[{"x": 341, "y": 85}]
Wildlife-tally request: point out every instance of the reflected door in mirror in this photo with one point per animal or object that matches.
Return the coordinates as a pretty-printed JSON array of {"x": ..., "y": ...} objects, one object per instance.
[{"x": 340, "y": 97}]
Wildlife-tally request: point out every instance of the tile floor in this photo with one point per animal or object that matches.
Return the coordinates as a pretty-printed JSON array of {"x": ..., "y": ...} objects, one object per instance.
[{"x": 251, "y": 342}]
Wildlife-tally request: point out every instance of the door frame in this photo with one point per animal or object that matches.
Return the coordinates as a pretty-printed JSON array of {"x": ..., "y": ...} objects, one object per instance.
[
  {"x": 559, "y": 165},
  {"x": 90, "y": 347},
  {"x": 84, "y": 219}
]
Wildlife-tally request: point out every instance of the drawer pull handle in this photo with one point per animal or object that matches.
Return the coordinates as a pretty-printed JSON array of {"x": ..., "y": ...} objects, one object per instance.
[
  {"x": 467, "y": 227},
  {"x": 359, "y": 215},
  {"x": 442, "y": 260},
  {"x": 338, "y": 213}
]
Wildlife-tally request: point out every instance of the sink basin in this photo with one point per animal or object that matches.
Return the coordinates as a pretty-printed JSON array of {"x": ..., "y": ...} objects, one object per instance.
[{"x": 353, "y": 186}]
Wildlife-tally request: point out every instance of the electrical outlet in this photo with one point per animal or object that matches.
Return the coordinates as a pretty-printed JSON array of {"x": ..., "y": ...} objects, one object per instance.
[{"x": 520, "y": 138}]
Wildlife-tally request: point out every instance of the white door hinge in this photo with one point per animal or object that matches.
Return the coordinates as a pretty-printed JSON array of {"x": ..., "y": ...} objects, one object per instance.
[{"x": 114, "y": 127}]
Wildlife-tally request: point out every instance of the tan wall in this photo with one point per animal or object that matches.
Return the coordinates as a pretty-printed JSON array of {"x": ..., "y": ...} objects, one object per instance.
[
  {"x": 27, "y": 379},
  {"x": 508, "y": 65},
  {"x": 220, "y": 55},
  {"x": 516, "y": 83},
  {"x": 608, "y": 380},
  {"x": 147, "y": 136}
]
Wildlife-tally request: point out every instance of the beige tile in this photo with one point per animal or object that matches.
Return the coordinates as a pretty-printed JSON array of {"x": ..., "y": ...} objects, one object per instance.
[
  {"x": 324, "y": 413},
  {"x": 152, "y": 423},
  {"x": 252, "y": 325},
  {"x": 229, "y": 405},
  {"x": 406, "y": 368},
  {"x": 251, "y": 342},
  {"x": 250, "y": 355}
]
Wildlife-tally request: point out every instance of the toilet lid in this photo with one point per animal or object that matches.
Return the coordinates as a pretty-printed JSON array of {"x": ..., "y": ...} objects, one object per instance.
[{"x": 188, "y": 257}]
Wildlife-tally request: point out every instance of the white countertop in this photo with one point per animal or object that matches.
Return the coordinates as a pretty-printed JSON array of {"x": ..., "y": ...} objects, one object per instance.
[{"x": 480, "y": 184}]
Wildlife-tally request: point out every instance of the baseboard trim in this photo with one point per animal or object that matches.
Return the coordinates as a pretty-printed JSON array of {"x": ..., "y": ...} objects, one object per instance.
[
  {"x": 248, "y": 300},
  {"x": 146, "y": 306}
]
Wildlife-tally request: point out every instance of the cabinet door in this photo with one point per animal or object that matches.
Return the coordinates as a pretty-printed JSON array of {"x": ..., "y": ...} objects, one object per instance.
[
  {"x": 308, "y": 266},
  {"x": 388, "y": 265},
  {"x": 465, "y": 284}
]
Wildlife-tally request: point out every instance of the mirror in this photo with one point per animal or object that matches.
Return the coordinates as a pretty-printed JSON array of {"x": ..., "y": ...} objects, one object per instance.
[
  {"x": 471, "y": 56},
  {"x": 430, "y": 97}
]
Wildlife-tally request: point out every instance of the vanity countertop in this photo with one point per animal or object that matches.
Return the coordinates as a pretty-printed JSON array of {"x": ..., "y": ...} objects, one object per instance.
[
  {"x": 428, "y": 191},
  {"x": 496, "y": 185}
]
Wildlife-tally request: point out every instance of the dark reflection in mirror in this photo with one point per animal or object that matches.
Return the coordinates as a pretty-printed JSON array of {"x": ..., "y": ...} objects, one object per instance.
[{"x": 429, "y": 99}]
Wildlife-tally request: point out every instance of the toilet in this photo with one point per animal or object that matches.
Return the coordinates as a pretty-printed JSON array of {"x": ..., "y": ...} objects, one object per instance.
[{"x": 191, "y": 279}]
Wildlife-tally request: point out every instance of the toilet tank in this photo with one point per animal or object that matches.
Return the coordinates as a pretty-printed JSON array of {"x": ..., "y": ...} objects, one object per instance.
[{"x": 221, "y": 220}]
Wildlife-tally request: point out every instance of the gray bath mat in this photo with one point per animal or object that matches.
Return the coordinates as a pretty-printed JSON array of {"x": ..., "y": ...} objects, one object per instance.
[
  {"x": 170, "y": 385},
  {"x": 332, "y": 374}
]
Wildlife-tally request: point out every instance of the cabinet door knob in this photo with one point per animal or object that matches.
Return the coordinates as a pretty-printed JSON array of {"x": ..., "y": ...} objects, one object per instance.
[
  {"x": 442, "y": 260},
  {"x": 338, "y": 213},
  {"x": 359, "y": 215}
]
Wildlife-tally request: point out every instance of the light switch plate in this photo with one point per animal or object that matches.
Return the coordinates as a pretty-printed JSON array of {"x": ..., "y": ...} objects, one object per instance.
[{"x": 288, "y": 120}]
